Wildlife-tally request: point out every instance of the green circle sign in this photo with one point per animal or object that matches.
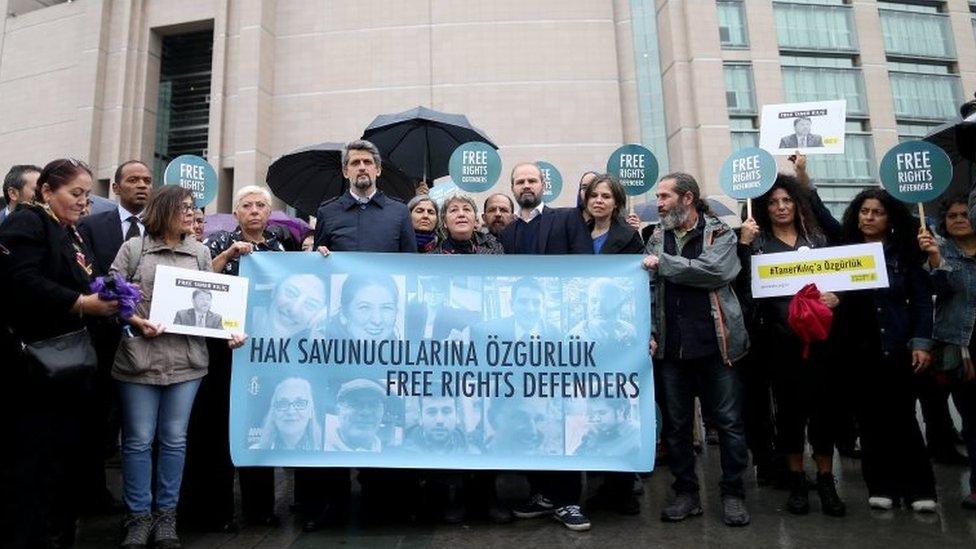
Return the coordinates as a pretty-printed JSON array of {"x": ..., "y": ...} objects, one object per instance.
[
  {"x": 475, "y": 166},
  {"x": 635, "y": 167},
  {"x": 748, "y": 173},
  {"x": 916, "y": 171},
  {"x": 552, "y": 181},
  {"x": 193, "y": 173}
]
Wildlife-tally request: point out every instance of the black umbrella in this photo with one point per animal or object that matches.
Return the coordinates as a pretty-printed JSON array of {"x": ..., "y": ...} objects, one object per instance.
[
  {"x": 420, "y": 141},
  {"x": 958, "y": 139},
  {"x": 305, "y": 178}
]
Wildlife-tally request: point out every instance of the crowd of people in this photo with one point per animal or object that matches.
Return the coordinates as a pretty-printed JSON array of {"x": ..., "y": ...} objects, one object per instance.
[{"x": 161, "y": 400}]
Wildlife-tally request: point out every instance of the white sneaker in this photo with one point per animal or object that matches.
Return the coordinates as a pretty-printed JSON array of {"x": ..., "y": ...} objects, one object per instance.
[
  {"x": 923, "y": 506},
  {"x": 882, "y": 503}
]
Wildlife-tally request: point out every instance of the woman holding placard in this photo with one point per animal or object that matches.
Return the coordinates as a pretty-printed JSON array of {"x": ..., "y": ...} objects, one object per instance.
[
  {"x": 157, "y": 373},
  {"x": 886, "y": 336},
  {"x": 952, "y": 264},
  {"x": 784, "y": 222}
]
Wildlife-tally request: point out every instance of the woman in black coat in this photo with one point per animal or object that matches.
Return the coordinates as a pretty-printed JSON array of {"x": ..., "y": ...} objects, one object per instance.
[
  {"x": 45, "y": 270},
  {"x": 604, "y": 203}
]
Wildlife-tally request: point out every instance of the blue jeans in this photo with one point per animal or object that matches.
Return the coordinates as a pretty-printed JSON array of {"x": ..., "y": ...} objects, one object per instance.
[
  {"x": 720, "y": 391},
  {"x": 161, "y": 413}
]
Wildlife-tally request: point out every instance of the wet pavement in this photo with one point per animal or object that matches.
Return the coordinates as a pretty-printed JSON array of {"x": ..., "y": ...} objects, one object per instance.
[{"x": 771, "y": 525}]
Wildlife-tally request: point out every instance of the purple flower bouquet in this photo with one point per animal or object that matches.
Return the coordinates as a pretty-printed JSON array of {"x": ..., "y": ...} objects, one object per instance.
[{"x": 116, "y": 288}]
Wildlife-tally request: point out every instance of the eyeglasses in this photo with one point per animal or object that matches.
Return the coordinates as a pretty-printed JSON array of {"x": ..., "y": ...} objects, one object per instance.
[
  {"x": 186, "y": 208},
  {"x": 283, "y": 404}
]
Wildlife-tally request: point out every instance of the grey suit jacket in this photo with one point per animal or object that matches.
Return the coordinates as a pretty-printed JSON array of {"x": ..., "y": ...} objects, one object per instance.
[
  {"x": 186, "y": 317},
  {"x": 789, "y": 142}
]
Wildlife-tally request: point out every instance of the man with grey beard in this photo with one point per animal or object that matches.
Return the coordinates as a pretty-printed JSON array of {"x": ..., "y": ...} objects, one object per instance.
[
  {"x": 363, "y": 219},
  {"x": 698, "y": 334}
]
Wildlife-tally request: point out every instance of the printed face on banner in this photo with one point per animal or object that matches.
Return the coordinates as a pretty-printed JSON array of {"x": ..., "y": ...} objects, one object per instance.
[
  {"x": 916, "y": 171},
  {"x": 815, "y": 127},
  {"x": 534, "y": 366}
]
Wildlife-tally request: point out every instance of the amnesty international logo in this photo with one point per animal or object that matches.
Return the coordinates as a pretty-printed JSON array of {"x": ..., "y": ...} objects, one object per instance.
[{"x": 254, "y": 386}]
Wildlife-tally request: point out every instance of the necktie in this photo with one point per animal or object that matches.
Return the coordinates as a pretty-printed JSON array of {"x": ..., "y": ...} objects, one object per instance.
[
  {"x": 199, "y": 321},
  {"x": 133, "y": 227}
]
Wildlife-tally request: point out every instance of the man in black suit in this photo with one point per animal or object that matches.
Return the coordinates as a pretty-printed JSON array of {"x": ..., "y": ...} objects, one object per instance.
[
  {"x": 539, "y": 229},
  {"x": 200, "y": 314},
  {"x": 104, "y": 233}
]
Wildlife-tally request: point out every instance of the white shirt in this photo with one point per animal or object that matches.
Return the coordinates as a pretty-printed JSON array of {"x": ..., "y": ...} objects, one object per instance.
[
  {"x": 360, "y": 199},
  {"x": 533, "y": 213},
  {"x": 124, "y": 215},
  {"x": 200, "y": 318}
]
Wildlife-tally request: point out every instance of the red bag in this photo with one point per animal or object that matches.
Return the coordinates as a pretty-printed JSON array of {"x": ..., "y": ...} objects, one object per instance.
[{"x": 809, "y": 318}]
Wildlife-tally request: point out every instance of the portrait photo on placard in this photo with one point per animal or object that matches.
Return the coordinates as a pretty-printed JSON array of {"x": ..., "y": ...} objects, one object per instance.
[
  {"x": 814, "y": 127},
  {"x": 199, "y": 303},
  {"x": 290, "y": 306}
]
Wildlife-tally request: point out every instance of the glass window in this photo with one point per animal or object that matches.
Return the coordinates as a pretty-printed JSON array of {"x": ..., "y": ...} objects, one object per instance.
[
  {"x": 732, "y": 30},
  {"x": 927, "y": 68},
  {"x": 815, "y": 27},
  {"x": 911, "y": 131},
  {"x": 856, "y": 165},
  {"x": 915, "y": 34},
  {"x": 744, "y": 140},
  {"x": 817, "y": 61},
  {"x": 739, "y": 89},
  {"x": 822, "y": 84},
  {"x": 925, "y": 96}
]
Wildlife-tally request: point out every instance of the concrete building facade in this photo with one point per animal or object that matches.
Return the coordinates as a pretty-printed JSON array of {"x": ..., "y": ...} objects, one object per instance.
[{"x": 566, "y": 81}]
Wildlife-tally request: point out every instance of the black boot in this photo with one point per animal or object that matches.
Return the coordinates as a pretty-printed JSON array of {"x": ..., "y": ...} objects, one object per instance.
[
  {"x": 799, "y": 501},
  {"x": 830, "y": 502}
]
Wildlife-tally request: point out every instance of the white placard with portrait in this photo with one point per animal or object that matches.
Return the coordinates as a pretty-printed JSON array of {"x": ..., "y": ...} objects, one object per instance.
[
  {"x": 814, "y": 127},
  {"x": 199, "y": 303}
]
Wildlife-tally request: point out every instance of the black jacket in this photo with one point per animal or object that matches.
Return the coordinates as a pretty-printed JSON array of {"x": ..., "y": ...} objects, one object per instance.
[
  {"x": 622, "y": 239},
  {"x": 561, "y": 232},
  {"x": 41, "y": 273},
  {"x": 381, "y": 225},
  {"x": 102, "y": 233}
]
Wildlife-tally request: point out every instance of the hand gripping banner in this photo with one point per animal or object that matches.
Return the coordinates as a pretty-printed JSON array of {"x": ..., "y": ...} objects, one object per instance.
[{"x": 444, "y": 362}]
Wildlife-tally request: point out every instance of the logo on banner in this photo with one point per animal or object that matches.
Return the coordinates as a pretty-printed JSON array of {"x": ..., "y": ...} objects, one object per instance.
[
  {"x": 193, "y": 173},
  {"x": 475, "y": 166},
  {"x": 552, "y": 181},
  {"x": 635, "y": 167},
  {"x": 748, "y": 173},
  {"x": 916, "y": 171}
]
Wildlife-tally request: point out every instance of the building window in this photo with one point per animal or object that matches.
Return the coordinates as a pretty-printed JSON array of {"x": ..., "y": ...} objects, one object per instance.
[
  {"x": 732, "y": 30},
  {"x": 815, "y": 27},
  {"x": 919, "y": 96},
  {"x": 823, "y": 79},
  {"x": 839, "y": 177},
  {"x": 915, "y": 30},
  {"x": 740, "y": 92},
  {"x": 744, "y": 132},
  {"x": 910, "y": 131}
]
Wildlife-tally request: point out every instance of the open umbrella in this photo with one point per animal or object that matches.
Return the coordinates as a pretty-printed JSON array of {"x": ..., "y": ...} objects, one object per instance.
[
  {"x": 305, "y": 178},
  {"x": 958, "y": 139},
  {"x": 420, "y": 140},
  {"x": 227, "y": 222}
]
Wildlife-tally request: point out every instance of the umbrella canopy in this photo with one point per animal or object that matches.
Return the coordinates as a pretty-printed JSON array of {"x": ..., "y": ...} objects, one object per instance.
[
  {"x": 958, "y": 139},
  {"x": 305, "y": 178},
  {"x": 227, "y": 222},
  {"x": 420, "y": 140}
]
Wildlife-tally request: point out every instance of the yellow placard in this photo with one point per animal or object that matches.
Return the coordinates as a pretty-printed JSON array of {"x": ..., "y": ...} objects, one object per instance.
[{"x": 818, "y": 266}]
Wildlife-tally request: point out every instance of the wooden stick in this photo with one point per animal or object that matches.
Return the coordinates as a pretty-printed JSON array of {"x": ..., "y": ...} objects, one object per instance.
[
  {"x": 748, "y": 208},
  {"x": 921, "y": 216}
]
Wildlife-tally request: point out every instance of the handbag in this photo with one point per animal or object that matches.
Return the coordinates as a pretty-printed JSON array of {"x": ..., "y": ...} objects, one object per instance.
[{"x": 66, "y": 356}]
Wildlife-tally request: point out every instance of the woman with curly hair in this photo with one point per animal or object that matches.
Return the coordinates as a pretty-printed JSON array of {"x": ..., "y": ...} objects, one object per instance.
[
  {"x": 801, "y": 382},
  {"x": 886, "y": 335}
]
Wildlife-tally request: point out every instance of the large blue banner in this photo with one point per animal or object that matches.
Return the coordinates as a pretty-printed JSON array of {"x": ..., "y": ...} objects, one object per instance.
[{"x": 444, "y": 362}]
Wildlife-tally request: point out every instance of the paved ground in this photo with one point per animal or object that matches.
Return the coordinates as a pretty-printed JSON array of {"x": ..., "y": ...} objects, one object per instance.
[{"x": 771, "y": 525}]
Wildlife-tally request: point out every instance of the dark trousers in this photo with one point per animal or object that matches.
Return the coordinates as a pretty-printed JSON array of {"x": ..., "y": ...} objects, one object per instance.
[
  {"x": 964, "y": 396},
  {"x": 720, "y": 390},
  {"x": 940, "y": 433},
  {"x": 40, "y": 475},
  {"x": 802, "y": 389},
  {"x": 894, "y": 460},
  {"x": 757, "y": 409},
  {"x": 103, "y": 421},
  {"x": 560, "y": 487},
  {"x": 207, "y": 496},
  {"x": 318, "y": 489}
]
